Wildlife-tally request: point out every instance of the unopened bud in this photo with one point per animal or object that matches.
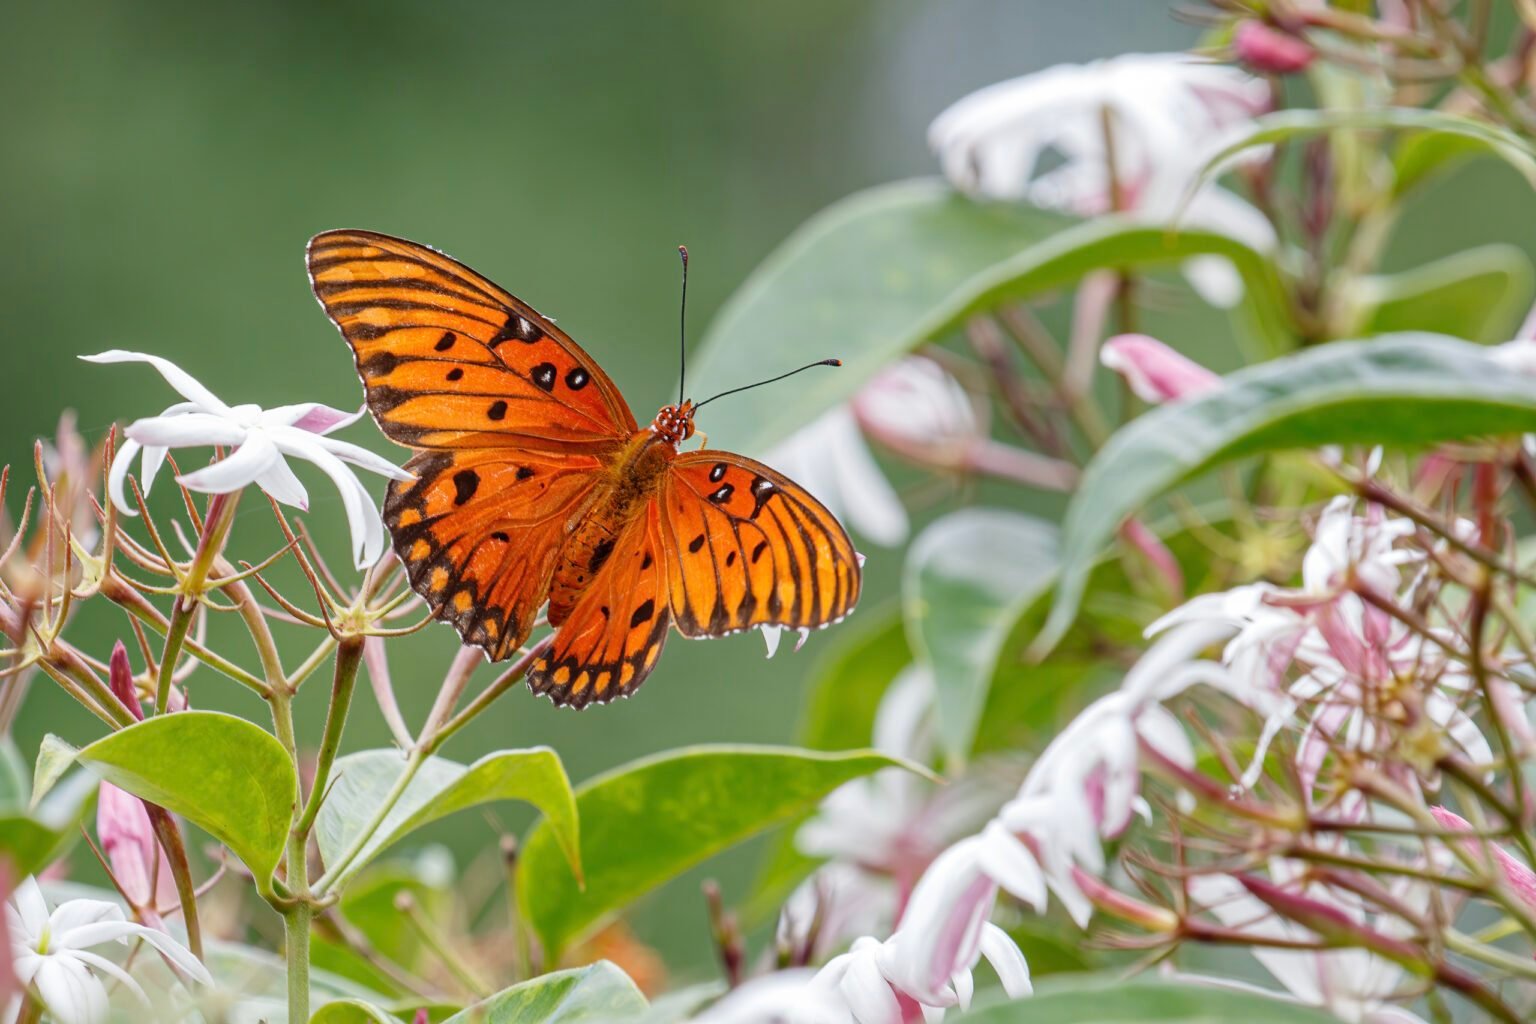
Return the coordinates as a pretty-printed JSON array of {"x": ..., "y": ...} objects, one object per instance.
[
  {"x": 1117, "y": 904},
  {"x": 120, "y": 675},
  {"x": 1268, "y": 50}
]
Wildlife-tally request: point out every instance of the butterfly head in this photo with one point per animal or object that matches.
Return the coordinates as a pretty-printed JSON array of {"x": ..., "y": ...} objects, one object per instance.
[{"x": 674, "y": 423}]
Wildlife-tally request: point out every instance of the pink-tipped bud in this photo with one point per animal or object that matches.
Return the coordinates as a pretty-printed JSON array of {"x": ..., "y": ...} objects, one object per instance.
[
  {"x": 1155, "y": 372},
  {"x": 1118, "y": 905},
  {"x": 128, "y": 840},
  {"x": 120, "y": 675},
  {"x": 421, "y": 1017},
  {"x": 1268, "y": 50},
  {"x": 1519, "y": 877}
]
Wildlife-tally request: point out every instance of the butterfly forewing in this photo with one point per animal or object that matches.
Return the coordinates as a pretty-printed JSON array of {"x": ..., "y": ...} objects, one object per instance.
[
  {"x": 746, "y": 547},
  {"x": 450, "y": 359}
]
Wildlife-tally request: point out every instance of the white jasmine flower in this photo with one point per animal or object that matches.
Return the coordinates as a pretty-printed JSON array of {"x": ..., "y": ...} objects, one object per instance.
[
  {"x": 53, "y": 954},
  {"x": 262, "y": 439},
  {"x": 1168, "y": 113},
  {"x": 797, "y": 996}
]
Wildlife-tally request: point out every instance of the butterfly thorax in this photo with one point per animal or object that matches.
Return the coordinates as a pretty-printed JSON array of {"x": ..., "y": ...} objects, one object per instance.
[{"x": 633, "y": 478}]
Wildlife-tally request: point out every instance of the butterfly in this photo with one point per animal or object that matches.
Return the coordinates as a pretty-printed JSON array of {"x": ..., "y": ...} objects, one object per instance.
[{"x": 536, "y": 488}]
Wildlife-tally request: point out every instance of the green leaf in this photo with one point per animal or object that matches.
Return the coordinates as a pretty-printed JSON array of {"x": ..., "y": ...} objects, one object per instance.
[
  {"x": 857, "y": 280},
  {"x": 1480, "y": 295},
  {"x": 54, "y": 758},
  {"x": 231, "y": 779},
  {"x": 440, "y": 788},
  {"x": 646, "y": 822},
  {"x": 1398, "y": 389},
  {"x": 1116, "y": 243},
  {"x": 597, "y": 993},
  {"x": 1291, "y": 124},
  {"x": 967, "y": 579},
  {"x": 1104, "y": 1000},
  {"x": 15, "y": 780},
  {"x": 352, "y": 1011}
]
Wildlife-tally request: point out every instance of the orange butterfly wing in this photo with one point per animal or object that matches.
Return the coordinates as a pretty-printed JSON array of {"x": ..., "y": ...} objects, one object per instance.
[
  {"x": 746, "y": 546},
  {"x": 451, "y": 360},
  {"x": 613, "y": 635},
  {"x": 480, "y": 531}
]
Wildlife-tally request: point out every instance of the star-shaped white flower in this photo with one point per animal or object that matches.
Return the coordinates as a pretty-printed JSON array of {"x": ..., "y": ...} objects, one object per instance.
[
  {"x": 52, "y": 953},
  {"x": 263, "y": 440}
]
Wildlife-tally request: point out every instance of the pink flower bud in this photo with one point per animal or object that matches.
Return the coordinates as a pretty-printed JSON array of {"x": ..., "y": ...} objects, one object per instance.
[
  {"x": 1151, "y": 547},
  {"x": 1268, "y": 50},
  {"x": 128, "y": 840},
  {"x": 1155, "y": 372},
  {"x": 120, "y": 674},
  {"x": 1519, "y": 877}
]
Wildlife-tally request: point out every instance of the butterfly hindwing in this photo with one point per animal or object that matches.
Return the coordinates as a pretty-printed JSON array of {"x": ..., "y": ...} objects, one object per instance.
[
  {"x": 612, "y": 637},
  {"x": 450, "y": 359},
  {"x": 479, "y": 531},
  {"x": 746, "y": 546}
]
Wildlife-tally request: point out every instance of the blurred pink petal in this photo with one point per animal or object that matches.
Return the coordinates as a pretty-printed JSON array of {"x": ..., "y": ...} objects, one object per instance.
[
  {"x": 1265, "y": 48},
  {"x": 1155, "y": 372}
]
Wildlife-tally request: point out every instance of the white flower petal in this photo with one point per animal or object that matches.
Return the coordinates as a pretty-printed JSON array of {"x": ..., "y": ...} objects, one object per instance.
[
  {"x": 1006, "y": 959},
  {"x": 239, "y": 469},
  {"x": 101, "y": 963},
  {"x": 72, "y": 994},
  {"x": 312, "y": 417},
  {"x": 33, "y": 908},
  {"x": 365, "y": 459},
  {"x": 188, "y": 430},
  {"x": 117, "y": 476},
  {"x": 279, "y": 481},
  {"x": 362, "y": 517},
  {"x": 74, "y": 914},
  {"x": 1011, "y": 865},
  {"x": 177, "y": 954},
  {"x": 184, "y": 383},
  {"x": 868, "y": 994}
]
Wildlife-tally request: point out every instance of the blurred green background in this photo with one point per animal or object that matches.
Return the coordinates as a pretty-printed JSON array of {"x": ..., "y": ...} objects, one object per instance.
[{"x": 163, "y": 165}]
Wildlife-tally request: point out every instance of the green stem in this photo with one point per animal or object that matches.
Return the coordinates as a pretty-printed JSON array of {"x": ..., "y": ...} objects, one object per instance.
[
  {"x": 348, "y": 656},
  {"x": 433, "y": 741},
  {"x": 221, "y": 516},
  {"x": 169, "y": 835},
  {"x": 31, "y": 1010},
  {"x": 296, "y": 950},
  {"x": 335, "y": 873}
]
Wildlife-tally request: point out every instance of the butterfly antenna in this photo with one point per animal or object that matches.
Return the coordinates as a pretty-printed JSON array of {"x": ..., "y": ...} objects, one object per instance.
[
  {"x": 682, "y": 329},
  {"x": 770, "y": 380}
]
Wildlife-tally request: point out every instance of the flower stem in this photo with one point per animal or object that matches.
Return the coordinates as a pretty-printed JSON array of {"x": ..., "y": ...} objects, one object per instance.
[
  {"x": 31, "y": 1010},
  {"x": 348, "y": 656},
  {"x": 221, "y": 515},
  {"x": 169, "y": 835},
  {"x": 337, "y": 872}
]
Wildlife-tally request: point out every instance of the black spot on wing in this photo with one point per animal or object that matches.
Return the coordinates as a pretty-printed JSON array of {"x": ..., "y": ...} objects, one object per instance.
[{"x": 465, "y": 483}]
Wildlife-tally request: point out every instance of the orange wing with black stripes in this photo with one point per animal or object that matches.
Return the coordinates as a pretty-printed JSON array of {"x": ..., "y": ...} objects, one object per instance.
[
  {"x": 613, "y": 636},
  {"x": 746, "y": 547},
  {"x": 451, "y": 360}
]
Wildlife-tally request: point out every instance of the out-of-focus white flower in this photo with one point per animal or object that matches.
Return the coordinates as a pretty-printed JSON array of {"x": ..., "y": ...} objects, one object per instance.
[
  {"x": 1155, "y": 372},
  {"x": 890, "y": 826},
  {"x": 1168, "y": 114},
  {"x": 1348, "y": 651},
  {"x": 262, "y": 439},
  {"x": 53, "y": 953},
  {"x": 914, "y": 402},
  {"x": 797, "y": 996},
  {"x": 1353, "y": 984}
]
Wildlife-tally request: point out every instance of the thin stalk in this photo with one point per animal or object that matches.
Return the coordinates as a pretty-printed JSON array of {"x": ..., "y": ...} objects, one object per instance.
[
  {"x": 336, "y": 872},
  {"x": 221, "y": 516},
  {"x": 169, "y": 835},
  {"x": 348, "y": 656},
  {"x": 505, "y": 682}
]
